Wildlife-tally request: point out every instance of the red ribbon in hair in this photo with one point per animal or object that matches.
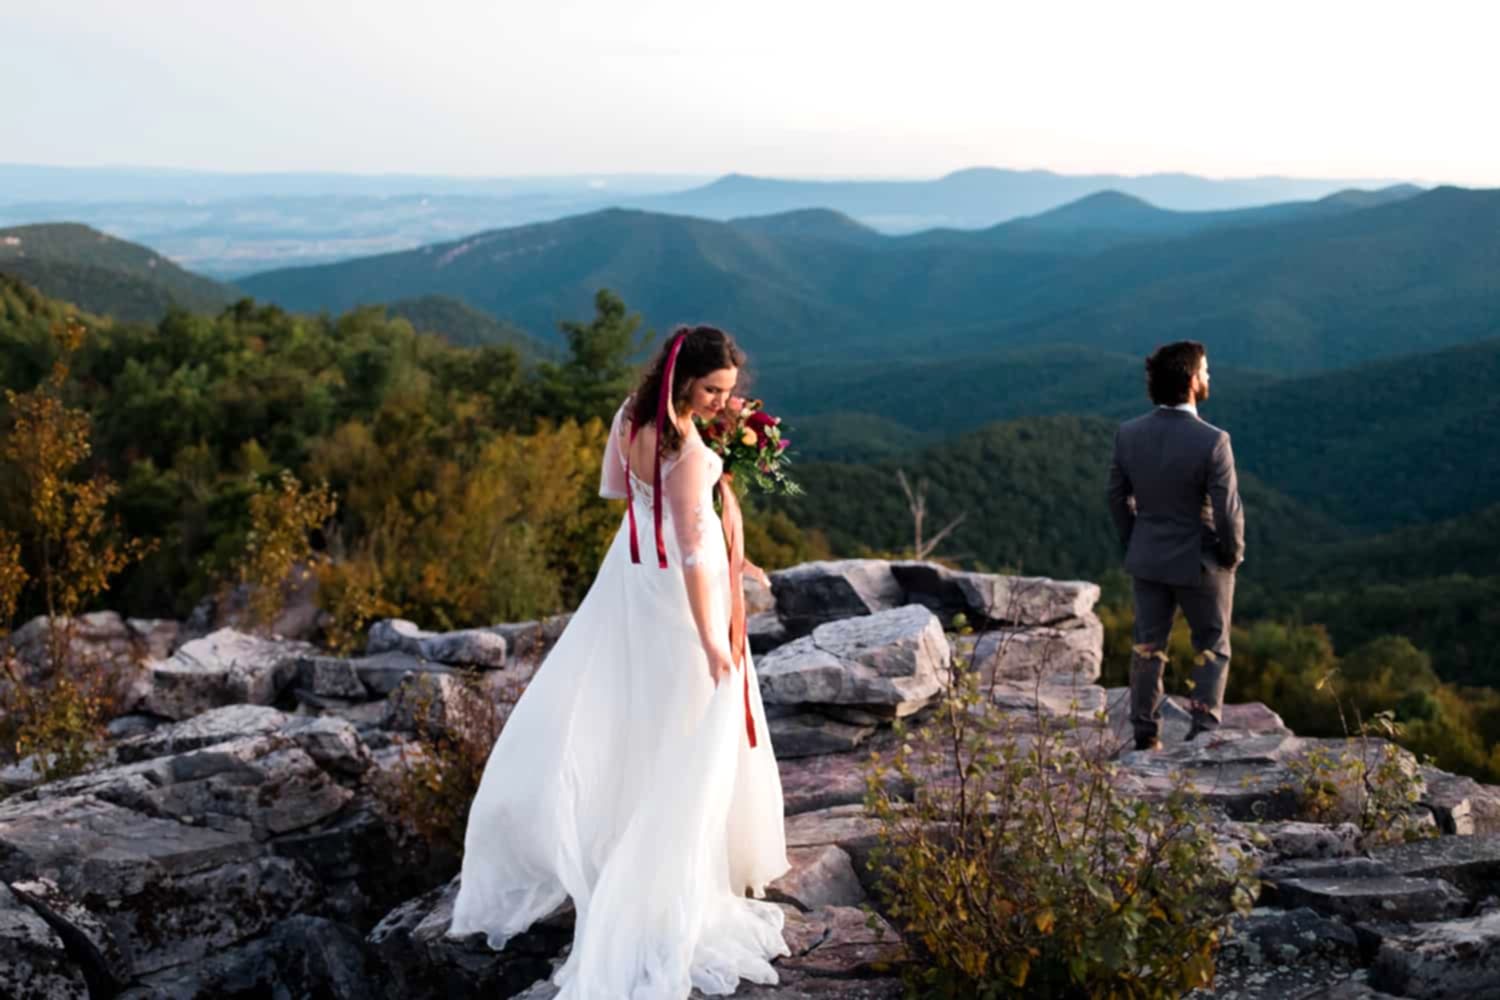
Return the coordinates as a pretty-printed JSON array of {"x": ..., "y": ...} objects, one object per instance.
[
  {"x": 662, "y": 402},
  {"x": 734, "y": 534}
]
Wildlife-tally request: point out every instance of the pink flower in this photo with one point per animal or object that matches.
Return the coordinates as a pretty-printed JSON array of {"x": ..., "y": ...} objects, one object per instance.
[{"x": 736, "y": 404}]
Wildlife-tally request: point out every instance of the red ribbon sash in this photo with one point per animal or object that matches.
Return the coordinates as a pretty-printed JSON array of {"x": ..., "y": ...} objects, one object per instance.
[{"x": 734, "y": 537}]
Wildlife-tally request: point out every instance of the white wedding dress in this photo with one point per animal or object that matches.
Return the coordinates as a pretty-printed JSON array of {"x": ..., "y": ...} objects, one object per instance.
[{"x": 624, "y": 778}]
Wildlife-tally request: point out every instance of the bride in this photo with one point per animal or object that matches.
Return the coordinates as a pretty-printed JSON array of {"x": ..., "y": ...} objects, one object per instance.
[{"x": 635, "y": 775}]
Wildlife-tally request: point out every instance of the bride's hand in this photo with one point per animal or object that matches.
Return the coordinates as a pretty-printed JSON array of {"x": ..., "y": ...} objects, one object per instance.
[
  {"x": 757, "y": 574},
  {"x": 720, "y": 665}
]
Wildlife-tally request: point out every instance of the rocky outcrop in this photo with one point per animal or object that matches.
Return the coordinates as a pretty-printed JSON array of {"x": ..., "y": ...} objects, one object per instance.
[
  {"x": 193, "y": 840},
  {"x": 230, "y": 843}
]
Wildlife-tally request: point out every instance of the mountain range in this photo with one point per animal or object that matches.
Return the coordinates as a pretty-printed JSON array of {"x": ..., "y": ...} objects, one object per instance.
[
  {"x": 1287, "y": 289},
  {"x": 228, "y": 225}
]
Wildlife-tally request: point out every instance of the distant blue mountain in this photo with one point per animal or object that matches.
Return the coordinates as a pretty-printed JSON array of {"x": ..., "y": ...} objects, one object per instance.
[{"x": 980, "y": 197}]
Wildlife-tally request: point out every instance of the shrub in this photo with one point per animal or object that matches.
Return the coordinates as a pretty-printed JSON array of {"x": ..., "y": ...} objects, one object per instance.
[
  {"x": 454, "y": 727},
  {"x": 1371, "y": 782},
  {"x": 1021, "y": 869},
  {"x": 282, "y": 516},
  {"x": 57, "y": 713}
]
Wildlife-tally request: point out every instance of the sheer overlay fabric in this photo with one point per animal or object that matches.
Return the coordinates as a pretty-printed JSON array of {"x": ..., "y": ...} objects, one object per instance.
[{"x": 624, "y": 780}]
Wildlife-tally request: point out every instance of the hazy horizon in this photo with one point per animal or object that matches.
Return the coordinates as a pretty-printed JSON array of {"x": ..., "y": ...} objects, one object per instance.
[{"x": 472, "y": 89}]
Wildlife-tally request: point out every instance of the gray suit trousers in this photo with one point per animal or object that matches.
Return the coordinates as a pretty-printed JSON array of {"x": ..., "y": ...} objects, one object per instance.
[{"x": 1207, "y": 608}]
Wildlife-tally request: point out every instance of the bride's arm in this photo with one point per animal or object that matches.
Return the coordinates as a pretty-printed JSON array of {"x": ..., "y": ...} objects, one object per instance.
[
  {"x": 612, "y": 473},
  {"x": 686, "y": 493}
]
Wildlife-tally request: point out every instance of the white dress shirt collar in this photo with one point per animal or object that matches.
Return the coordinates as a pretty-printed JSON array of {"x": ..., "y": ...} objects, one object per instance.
[{"x": 1188, "y": 407}]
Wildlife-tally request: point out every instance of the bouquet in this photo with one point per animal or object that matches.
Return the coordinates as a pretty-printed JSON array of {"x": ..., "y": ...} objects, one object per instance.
[{"x": 749, "y": 441}]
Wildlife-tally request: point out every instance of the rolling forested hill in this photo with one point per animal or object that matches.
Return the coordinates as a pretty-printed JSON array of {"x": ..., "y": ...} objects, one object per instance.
[{"x": 103, "y": 274}]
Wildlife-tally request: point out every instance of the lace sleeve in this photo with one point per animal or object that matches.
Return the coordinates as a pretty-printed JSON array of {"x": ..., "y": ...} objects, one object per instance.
[
  {"x": 688, "y": 497},
  {"x": 612, "y": 472}
]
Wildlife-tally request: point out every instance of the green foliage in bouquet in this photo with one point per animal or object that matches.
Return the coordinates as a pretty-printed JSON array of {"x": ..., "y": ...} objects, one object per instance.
[{"x": 749, "y": 441}]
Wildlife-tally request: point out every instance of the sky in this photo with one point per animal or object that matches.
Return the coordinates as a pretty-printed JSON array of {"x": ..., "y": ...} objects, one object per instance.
[{"x": 789, "y": 88}]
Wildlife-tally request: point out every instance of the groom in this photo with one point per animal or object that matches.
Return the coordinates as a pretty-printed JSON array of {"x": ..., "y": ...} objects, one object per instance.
[{"x": 1176, "y": 504}]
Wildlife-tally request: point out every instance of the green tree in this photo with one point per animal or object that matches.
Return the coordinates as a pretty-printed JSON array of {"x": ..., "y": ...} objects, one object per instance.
[{"x": 600, "y": 368}]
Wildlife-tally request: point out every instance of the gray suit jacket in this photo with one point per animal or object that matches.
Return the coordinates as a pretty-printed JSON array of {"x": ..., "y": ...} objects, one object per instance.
[{"x": 1175, "y": 498}]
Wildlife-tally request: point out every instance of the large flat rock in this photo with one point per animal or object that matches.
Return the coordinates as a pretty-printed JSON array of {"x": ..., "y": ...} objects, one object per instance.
[
  {"x": 812, "y": 783},
  {"x": 1390, "y": 898},
  {"x": 1471, "y": 863},
  {"x": 217, "y": 725},
  {"x": 1458, "y": 959},
  {"x": 89, "y": 846},
  {"x": 168, "y": 892},
  {"x": 893, "y": 663},
  {"x": 1247, "y": 718}
]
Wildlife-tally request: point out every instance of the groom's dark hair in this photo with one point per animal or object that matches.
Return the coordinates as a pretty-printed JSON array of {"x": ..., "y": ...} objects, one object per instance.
[{"x": 1170, "y": 370}]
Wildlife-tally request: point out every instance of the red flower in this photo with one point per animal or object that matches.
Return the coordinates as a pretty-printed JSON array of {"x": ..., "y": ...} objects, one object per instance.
[{"x": 760, "y": 419}]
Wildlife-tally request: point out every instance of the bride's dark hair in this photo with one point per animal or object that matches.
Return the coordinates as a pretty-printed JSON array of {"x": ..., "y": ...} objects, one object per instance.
[{"x": 705, "y": 349}]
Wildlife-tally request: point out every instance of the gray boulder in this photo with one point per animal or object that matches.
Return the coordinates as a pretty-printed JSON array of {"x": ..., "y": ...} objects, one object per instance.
[
  {"x": 1458, "y": 959},
  {"x": 223, "y": 668},
  {"x": 33, "y": 960},
  {"x": 991, "y": 598},
  {"x": 814, "y": 593},
  {"x": 1068, "y": 655},
  {"x": 819, "y": 876},
  {"x": 330, "y": 677},
  {"x": 765, "y": 632},
  {"x": 529, "y": 642},
  {"x": 1460, "y": 804},
  {"x": 472, "y": 647},
  {"x": 383, "y": 673},
  {"x": 891, "y": 663}
]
